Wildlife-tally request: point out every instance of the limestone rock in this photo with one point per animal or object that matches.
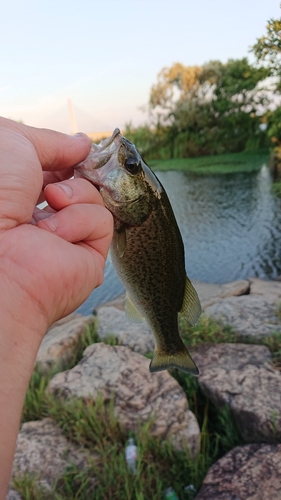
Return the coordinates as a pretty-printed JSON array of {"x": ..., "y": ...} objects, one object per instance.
[
  {"x": 60, "y": 341},
  {"x": 43, "y": 449},
  {"x": 248, "y": 315},
  {"x": 113, "y": 321},
  {"x": 138, "y": 394},
  {"x": 250, "y": 472},
  {"x": 270, "y": 289},
  {"x": 242, "y": 377},
  {"x": 210, "y": 293}
]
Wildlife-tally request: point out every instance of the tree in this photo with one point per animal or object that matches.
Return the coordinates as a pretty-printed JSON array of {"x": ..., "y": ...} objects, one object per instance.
[
  {"x": 213, "y": 108},
  {"x": 268, "y": 50},
  {"x": 268, "y": 47}
]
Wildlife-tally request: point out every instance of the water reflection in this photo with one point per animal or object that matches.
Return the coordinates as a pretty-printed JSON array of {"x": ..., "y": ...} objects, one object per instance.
[{"x": 231, "y": 227}]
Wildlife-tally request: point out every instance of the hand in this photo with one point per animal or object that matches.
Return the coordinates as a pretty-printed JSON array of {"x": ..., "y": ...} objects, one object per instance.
[{"x": 50, "y": 260}]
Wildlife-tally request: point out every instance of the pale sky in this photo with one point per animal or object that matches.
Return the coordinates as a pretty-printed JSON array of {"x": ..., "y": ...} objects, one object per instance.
[{"x": 105, "y": 55}]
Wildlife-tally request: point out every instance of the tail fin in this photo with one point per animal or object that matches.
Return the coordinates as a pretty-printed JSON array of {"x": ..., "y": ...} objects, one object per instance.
[{"x": 181, "y": 360}]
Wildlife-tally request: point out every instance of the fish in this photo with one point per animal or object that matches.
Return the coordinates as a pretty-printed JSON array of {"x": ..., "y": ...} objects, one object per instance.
[{"x": 147, "y": 250}]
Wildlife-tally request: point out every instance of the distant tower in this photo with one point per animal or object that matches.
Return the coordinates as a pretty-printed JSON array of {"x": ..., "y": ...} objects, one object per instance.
[{"x": 74, "y": 128}]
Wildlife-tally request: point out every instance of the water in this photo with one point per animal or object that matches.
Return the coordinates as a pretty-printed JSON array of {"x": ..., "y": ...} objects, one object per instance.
[{"x": 230, "y": 224}]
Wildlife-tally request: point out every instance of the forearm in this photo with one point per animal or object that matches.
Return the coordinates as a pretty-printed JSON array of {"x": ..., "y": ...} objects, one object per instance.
[{"x": 18, "y": 347}]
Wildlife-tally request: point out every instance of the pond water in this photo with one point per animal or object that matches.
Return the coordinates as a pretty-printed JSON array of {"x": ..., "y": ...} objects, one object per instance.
[{"x": 230, "y": 224}]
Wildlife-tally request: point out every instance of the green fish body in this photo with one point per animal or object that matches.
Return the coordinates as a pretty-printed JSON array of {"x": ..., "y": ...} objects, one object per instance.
[{"x": 147, "y": 249}]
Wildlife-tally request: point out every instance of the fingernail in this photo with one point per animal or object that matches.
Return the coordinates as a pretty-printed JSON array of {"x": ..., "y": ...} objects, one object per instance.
[
  {"x": 79, "y": 135},
  {"x": 51, "y": 222},
  {"x": 66, "y": 189}
]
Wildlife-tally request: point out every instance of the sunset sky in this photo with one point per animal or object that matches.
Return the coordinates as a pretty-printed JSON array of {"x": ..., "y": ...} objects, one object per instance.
[{"x": 105, "y": 56}]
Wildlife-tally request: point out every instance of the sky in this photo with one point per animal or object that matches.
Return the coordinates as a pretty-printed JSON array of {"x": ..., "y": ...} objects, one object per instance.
[{"x": 105, "y": 55}]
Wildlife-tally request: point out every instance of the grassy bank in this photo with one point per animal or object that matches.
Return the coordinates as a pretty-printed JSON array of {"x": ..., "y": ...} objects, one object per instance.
[
  {"x": 95, "y": 427},
  {"x": 217, "y": 164}
]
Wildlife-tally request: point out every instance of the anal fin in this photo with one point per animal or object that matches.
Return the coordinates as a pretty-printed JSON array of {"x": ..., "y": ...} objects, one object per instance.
[{"x": 191, "y": 307}]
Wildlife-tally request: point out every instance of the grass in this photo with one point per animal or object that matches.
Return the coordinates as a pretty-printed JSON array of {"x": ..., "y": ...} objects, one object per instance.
[
  {"x": 94, "y": 426},
  {"x": 276, "y": 188},
  {"x": 216, "y": 164},
  {"x": 209, "y": 331},
  {"x": 37, "y": 400}
]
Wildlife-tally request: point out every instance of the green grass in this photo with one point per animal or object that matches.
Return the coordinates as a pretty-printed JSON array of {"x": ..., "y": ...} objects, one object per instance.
[
  {"x": 206, "y": 331},
  {"x": 209, "y": 331},
  {"x": 37, "y": 400},
  {"x": 216, "y": 164},
  {"x": 276, "y": 188},
  {"x": 94, "y": 426}
]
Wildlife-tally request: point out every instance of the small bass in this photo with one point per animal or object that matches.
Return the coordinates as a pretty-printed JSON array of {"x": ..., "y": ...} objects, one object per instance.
[{"x": 147, "y": 248}]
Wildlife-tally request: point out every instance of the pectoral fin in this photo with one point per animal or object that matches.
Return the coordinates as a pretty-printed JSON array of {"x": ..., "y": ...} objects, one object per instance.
[
  {"x": 131, "y": 311},
  {"x": 121, "y": 242},
  {"x": 191, "y": 307}
]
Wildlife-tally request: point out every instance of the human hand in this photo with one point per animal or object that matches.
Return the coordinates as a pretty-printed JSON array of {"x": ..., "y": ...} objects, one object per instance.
[
  {"x": 50, "y": 260},
  {"x": 50, "y": 267}
]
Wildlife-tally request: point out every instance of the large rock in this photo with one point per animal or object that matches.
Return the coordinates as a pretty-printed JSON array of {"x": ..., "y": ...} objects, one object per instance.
[
  {"x": 138, "y": 394},
  {"x": 113, "y": 321},
  {"x": 251, "y": 472},
  {"x": 249, "y": 314},
  {"x": 242, "y": 377},
  {"x": 43, "y": 449},
  {"x": 210, "y": 293},
  {"x": 269, "y": 289},
  {"x": 60, "y": 342}
]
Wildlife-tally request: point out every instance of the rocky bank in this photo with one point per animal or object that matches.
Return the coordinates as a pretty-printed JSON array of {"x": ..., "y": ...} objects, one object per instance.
[{"x": 239, "y": 375}]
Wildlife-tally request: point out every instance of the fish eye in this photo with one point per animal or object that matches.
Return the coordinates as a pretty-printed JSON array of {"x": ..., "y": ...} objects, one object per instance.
[{"x": 132, "y": 165}]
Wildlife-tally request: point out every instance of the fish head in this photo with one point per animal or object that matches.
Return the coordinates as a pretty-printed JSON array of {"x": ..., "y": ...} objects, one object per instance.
[{"x": 128, "y": 187}]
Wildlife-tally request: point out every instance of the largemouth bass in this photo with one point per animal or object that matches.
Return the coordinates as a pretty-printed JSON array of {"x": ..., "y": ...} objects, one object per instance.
[{"x": 147, "y": 249}]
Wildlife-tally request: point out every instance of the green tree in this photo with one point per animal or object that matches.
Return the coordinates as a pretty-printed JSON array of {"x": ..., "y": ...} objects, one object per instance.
[
  {"x": 267, "y": 50},
  {"x": 268, "y": 47},
  {"x": 209, "y": 109}
]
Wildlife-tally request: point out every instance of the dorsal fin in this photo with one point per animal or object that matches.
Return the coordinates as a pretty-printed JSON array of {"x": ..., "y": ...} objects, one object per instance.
[{"x": 191, "y": 307}]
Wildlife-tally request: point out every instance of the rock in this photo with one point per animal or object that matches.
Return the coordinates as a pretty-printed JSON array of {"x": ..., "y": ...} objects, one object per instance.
[
  {"x": 118, "y": 302},
  {"x": 138, "y": 394},
  {"x": 249, "y": 314},
  {"x": 210, "y": 293},
  {"x": 270, "y": 289},
  {"x": 60, "y": 342},
  {"x": 242, "y": 377},
  {"x": 250, "y": 472},
  {"x": 113, "y": 321},
  {"x": 43, "y": 449},
  {"x": 13, "y": 495}
]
